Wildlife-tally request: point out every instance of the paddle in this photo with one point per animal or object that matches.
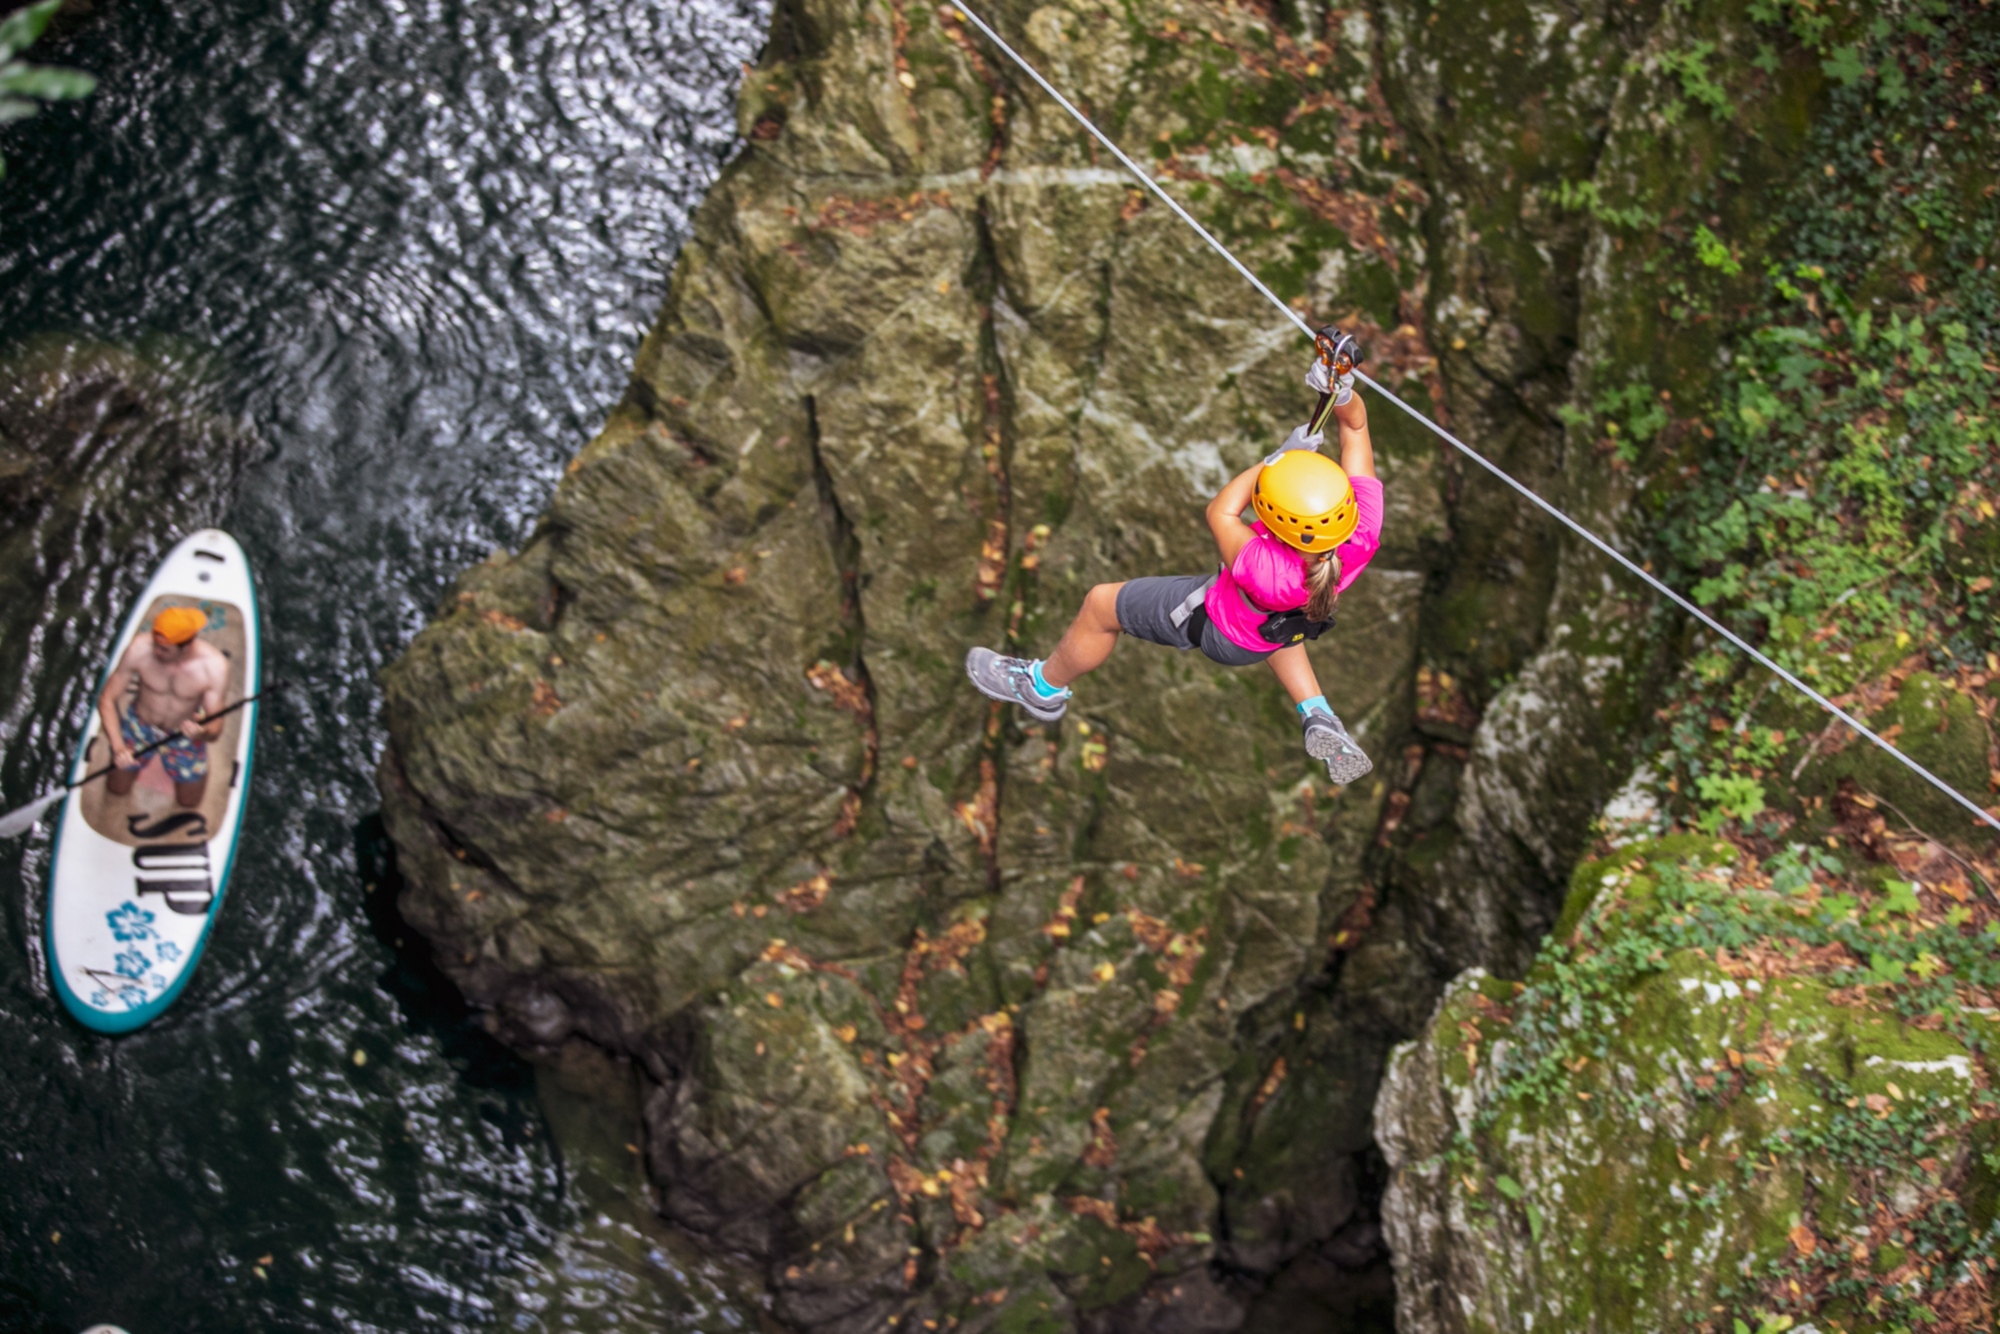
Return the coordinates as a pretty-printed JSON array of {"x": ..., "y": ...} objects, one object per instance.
[{"x": 22, "y": 818}]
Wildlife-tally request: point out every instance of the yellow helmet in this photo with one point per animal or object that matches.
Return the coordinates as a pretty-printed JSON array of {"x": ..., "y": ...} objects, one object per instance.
[{"x": 1306, "y": 500}]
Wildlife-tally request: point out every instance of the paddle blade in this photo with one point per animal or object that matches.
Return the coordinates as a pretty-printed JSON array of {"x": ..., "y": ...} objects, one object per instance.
[{"x": 22, "y": 818}]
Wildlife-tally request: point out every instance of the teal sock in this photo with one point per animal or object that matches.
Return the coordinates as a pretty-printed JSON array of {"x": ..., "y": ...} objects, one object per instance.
[
  {"x": 1042, "y": 687},
  {"x": 1316, "y": 702}
]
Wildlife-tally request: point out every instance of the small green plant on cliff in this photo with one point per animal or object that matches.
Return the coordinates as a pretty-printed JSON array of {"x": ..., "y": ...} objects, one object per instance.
[
  {"x": 1585, "y": 197},
  {"x": 24, "y": 86},
  {"x": 1697, "y": 82}
]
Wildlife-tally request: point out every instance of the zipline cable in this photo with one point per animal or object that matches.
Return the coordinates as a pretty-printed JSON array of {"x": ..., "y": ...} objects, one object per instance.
[{"x": 1646, "y": 575}]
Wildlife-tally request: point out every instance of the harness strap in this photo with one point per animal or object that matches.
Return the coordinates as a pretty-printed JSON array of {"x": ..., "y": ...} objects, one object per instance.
[{"x": 1192, "y": 603}]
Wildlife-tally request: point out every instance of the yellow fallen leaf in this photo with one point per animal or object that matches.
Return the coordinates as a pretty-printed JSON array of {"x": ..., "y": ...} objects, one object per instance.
[{"x": 1104, "y": 972}]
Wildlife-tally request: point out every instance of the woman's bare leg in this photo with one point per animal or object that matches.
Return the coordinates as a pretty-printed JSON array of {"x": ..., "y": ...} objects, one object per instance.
[
  {"x": 1089, "y": 639},
  {"x": 1295, "y": 672}
]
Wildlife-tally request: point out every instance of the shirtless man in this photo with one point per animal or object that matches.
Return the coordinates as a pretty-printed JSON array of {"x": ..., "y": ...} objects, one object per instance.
[{"x": 181, "y": 681}]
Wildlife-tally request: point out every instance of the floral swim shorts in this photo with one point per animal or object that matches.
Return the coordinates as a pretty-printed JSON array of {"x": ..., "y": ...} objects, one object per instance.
[{"x": 184, "y": 760}]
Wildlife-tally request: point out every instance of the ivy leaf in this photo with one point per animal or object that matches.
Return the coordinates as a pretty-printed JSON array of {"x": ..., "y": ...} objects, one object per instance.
[
  {"x": 1895, "y": 89},
  {"x": 1534, "y": 1222},
  {"x": 1927, "y": 966},
  {"x": 19, "y": 30},
  {"x": 1885, "y": 970},
  {"x": 1902, "y": 899},
  {"x": 1844, "y": 65},
  {"x": 1509, "y": 1187},
  {"x": 45, "y": 82},
  {"x": 1839, "y": 907}
]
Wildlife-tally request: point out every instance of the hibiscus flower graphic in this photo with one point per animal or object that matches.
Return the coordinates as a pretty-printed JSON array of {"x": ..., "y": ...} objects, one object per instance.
[{"x": 130, "y": 922}]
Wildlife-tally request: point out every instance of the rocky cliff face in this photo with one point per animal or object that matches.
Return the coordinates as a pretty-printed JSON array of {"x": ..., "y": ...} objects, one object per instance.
[
  {"x": 1746, "y": 1086},
  {"x": 1700, "y": 1111},
  {"x": 952, "y": 1019}
]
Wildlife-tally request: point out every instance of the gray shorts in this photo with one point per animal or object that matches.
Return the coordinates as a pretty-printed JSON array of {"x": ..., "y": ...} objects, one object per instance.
[{"x": 1145, "y": 611}]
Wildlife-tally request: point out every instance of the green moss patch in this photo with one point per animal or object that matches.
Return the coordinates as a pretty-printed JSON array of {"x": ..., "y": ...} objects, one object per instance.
[{"x": 1731, "y": 1091}]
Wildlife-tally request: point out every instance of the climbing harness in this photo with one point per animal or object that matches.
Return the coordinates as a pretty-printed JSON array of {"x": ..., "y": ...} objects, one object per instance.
[
  {"x": 1552, "y": 511},
  {"x": 1193, "y": 611},
  {"x": 1278, "y": 628}
]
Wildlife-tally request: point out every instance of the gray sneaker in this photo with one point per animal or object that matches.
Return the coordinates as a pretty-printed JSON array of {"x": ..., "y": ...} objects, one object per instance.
[
  {"x": 1326, "y": 739},
  {"x": 1007, "y": 680}
]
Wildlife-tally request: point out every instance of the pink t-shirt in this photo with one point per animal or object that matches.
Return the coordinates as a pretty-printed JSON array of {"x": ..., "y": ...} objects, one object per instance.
[{"x": 1274, "y": 575}]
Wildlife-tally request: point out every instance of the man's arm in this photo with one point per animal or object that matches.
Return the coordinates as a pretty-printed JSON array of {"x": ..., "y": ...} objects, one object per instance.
[
  {"x": 115, "y": 687},
  {"x": 199, "y": 728}
]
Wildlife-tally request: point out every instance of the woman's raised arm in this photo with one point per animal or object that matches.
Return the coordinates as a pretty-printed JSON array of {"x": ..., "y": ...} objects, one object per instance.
[
  {"x": 1225, "y": 513},
  {"x": 1357, "y": 451}
]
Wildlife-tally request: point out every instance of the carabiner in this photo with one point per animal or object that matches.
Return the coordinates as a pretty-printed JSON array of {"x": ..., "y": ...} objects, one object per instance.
[{"x": 1338, "y": 351}]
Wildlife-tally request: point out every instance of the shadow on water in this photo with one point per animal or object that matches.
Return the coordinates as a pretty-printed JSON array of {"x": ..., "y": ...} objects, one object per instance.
[
  {"x": 354, "y": 278},
  {"x": 429, "y": 1002}
]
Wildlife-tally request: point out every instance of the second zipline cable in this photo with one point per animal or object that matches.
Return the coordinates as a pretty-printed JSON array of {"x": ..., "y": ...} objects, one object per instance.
[{"x": 1552, "y": 511}]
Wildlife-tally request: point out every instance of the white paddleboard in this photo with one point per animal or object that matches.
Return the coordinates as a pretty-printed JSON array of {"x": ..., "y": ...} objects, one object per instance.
[{"x": 137, "y": 879}]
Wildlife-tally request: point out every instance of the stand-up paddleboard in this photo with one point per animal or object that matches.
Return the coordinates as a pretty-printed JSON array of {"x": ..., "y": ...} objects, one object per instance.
[{"x": 137, "y": 879}]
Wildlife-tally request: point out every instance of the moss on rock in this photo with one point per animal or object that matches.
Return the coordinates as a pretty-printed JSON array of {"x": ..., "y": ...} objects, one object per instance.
[{"x": 1716, "y": 1098}]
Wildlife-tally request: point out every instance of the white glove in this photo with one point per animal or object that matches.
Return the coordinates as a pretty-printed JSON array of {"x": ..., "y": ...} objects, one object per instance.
[
  {"x": 1320, "y": 381},
  {"x": 1298, "y": 439}
]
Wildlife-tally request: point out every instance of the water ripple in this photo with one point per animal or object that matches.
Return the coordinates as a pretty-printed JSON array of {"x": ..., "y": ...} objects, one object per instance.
[{"x": 411, "y": 246}]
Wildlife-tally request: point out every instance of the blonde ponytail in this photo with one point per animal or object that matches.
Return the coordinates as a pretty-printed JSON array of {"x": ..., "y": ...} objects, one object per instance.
[{"x": 1322, "y": 587}]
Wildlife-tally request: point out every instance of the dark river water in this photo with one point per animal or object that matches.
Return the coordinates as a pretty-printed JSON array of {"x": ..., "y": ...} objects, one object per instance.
[{"x": 413, "y": 246}]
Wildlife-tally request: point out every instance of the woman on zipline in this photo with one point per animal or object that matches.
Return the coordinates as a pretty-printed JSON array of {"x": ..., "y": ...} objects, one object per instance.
[{"x": 1318, "y": 525}]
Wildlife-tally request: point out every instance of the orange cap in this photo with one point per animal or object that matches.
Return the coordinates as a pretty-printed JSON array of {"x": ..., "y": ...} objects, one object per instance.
[{"x": 177, "y": 625}]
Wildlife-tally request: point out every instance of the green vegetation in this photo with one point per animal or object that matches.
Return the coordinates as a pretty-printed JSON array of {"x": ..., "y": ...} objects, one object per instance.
[
  {"x": 1747, "y": 1084},
  {"x": 24, "y": 86},
  {"x": 1833, "y": 1126},
  {"x": 1840, "y": 512}
]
